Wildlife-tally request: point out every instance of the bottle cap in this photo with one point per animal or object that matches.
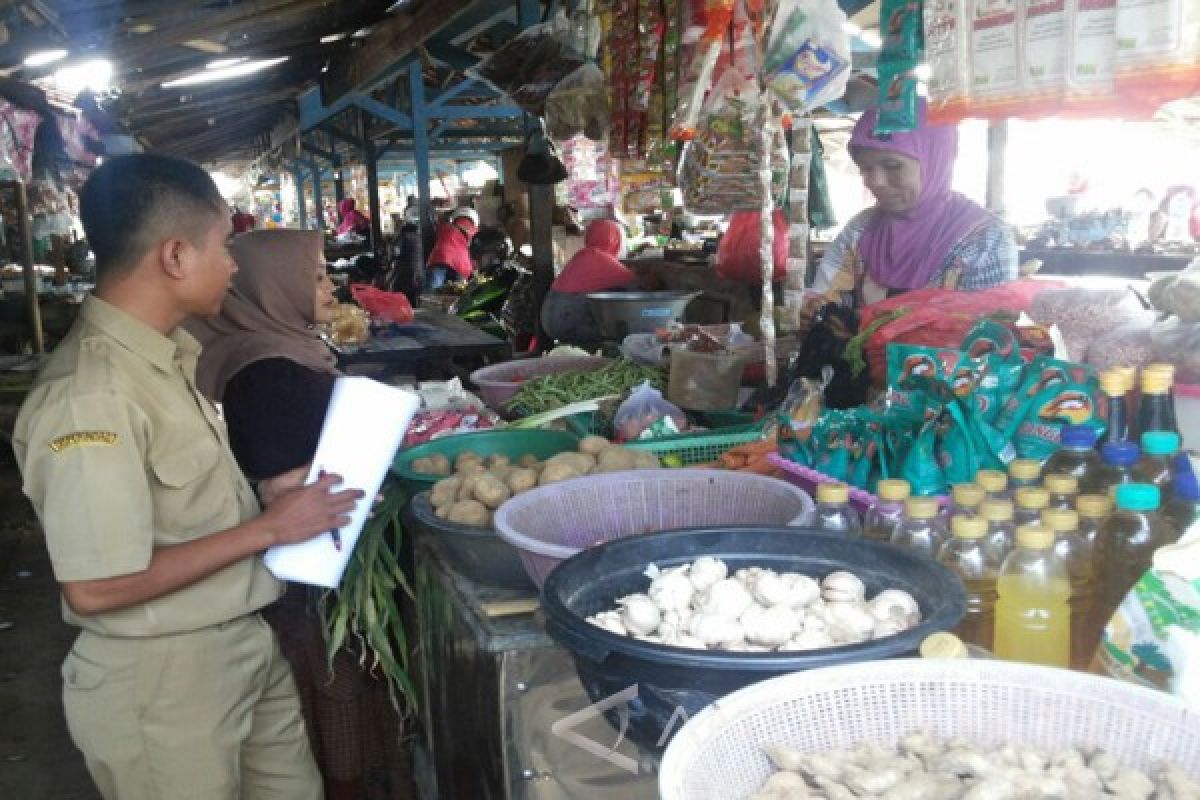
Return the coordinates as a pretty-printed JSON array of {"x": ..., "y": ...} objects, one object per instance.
[
  {"x": 1035, "y": 537},
  {"x": 965, "y": 527},
  {"x": 968, "y": 495},
  {"x": 993, "y": 481},
  {"x": 996, "y": 510},
  {"x": 1120, "y": 454},
  {"x": 1081, "y": 437},
  {"x": 1096, "y": 506},
  {"x": 1112, "y": 383},
  {"x": 894, "y": 490},
  {"x": 1138, "y": 497},
  {"x": 921, "y": 507},
  {"x": 1129, "y": 374},
  {"x": 1155, "y": 382},
  {"x": 1060, "y": 520},
  {"x": 1061, "y": 483},
  {"x": 833, "y": 493},
  {"x": 1024, "y": 469},
  {"x": 1160, "y": 443},
  {"x": 1162, "y": 368},
  {"x": 1032, "y": 498},
  {"x": 943, "y": 645},
  {"x": 1185, "y": 486}
]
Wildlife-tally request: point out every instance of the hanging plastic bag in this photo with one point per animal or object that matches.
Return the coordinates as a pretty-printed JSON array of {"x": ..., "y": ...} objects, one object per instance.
[
  {"x": 807, "y": 60},
  {"x": 646, "y": 414},
  {"x": 1158, "y": 51},
  {"x": 1178, "y": 342},
  {"x": 386, "y": 306},
  {"x": 947, "y": 49},
  {"x": 579, "y": 104},
  {"x": 706, "y": 32},
  {"x": 738, "y": 254},
  {"x": 1128, "y": 345},
  {"x": 530, "y": 65}
]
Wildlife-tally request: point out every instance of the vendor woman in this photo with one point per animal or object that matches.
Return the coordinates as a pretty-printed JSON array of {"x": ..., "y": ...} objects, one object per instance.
[
  {"x": 920, "y": 233},
  {"x": 566, "y": 311}
]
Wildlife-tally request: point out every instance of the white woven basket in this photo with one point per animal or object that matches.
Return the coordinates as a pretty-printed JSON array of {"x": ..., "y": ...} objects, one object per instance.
[{"x": 719, "y": 755}]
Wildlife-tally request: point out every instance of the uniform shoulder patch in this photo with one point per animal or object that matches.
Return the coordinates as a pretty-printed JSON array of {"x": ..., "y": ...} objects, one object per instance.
[{"x": 81, "y": 438}]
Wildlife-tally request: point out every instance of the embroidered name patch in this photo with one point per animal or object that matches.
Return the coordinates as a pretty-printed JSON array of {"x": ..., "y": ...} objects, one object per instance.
[{"x": 81, "y": 438}]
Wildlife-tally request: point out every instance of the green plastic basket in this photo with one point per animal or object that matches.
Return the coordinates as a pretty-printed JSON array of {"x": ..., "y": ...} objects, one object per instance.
[
  {"x": 699, "y": 448},
  {"x": 504, "y": 442}
]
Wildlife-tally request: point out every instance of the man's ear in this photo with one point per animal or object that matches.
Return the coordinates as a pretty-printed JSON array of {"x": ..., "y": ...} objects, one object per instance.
[{"x": 172, "y": 258}]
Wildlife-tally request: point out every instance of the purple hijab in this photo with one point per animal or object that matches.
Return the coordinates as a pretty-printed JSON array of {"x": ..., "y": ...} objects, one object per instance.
[{"x": 905, "y": 251}]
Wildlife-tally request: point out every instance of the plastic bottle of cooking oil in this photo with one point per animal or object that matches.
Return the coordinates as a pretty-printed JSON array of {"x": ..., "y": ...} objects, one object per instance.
[
  {"x": 885, "y": 515},
  {"x": 966, "y": 498},
  {"x": 1075, "y": 552},
  {"x": 1125, "y": 546},
  {"x": 1063, "y": 490},
  {"x": 1030, "y": 501},
  {"x": 1157, "y": 464},
  {"x": 1183, "y": 509},
  {"x": 1093, "y": 510},
  {"x": 966, "y": 557},
  {"x": 1116, "y": 467},
  {"x": 1023, "y": 472},
  {"x": 1001, "y": 535},
  {"x": 1033, "y": 616},
  {"x": 1076, "y": 455},
  {"x": 921, "y": 530},
  {"x": 834, "y": 513},
  {"x": 994, "y": 482},
  {"x": 1156, "y": 409}
]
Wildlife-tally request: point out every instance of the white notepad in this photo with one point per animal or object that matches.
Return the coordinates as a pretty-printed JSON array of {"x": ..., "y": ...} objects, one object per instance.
[{"x": 364, "y": 427}]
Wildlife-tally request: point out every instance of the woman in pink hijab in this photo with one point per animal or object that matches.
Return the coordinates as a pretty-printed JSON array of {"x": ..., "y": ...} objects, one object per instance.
[
  {"x": 920, "y": 233},
  {"x": 353, "y": 219},
  {"x": 566, "y": 312}
]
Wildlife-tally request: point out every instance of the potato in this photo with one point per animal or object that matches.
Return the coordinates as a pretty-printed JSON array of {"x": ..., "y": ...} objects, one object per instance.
[
  {"x": 553, "y": 473},
  {"x": 469, "y": 512},
  {"x": 441, "y": 465},
  {"x": 646, "y": 460},
  {"x": 616, "y": 459},
  {"x": 580, "y": 462},
  {"x": 503, "y": 471},
  {"x": 467, "y": 490},
  {"x": 445, "y": 491},
  {"x": 465, "y": 459},
  {"x": 491, "y": 491},
  {"x": 442, "y": 511},
  {"x": 528, "y": 460},
  {"x": 522, "y": 480},
  {"x": 594, "y": 445},
  {"x": 497, "y": 460}
]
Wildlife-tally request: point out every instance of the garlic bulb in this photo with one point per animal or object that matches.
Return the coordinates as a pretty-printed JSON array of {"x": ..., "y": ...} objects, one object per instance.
[
  {"x": 895, "y": 604},
  {"x": 727, "y": 598},
  {"x": 714, "y": 629},
  {"x": 843, "y": 587},
  {"x": 809, "y": 640},
  {"x": 770, "y": 627},
  {"x": 706, "y": 571},
  {"x": 609, "y": 621},
  {"x": 639, "y": 614},
  {"x": 672, "y": 590},
  {"x": 850, "y": 622}
]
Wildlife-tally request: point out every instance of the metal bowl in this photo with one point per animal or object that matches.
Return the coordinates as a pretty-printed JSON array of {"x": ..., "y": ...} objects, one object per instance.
[{"x": 619, "y": 314}]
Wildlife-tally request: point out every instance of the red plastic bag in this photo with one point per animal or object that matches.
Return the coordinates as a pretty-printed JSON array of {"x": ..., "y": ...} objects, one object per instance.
[
  {"x": 386, "y": 306},
  {"x": 738, "y": 255}
]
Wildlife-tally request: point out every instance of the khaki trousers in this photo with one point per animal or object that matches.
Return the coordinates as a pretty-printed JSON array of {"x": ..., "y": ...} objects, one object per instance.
[{"x": 207, "y": 715}]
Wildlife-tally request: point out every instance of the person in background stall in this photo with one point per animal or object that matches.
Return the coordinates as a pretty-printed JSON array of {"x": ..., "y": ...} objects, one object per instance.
[
  {"x": 1177, "y": 218},
  {"x": 175, "y": 686},
  {"x": 450, "y": 258},
  {"x": 920, "y": 233},
  {"x": 273, "y": 375},
  {"x": 242, "y": 221},
  {"x": 566, "y": 312},
  {"x": 353, "y": 220}
]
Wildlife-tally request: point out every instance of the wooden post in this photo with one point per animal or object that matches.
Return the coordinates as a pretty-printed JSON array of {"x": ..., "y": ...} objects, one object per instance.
[
  {"x": 997, "y": 137},
  {"x": 298, "y": 179},
  {"x": 25, "y": 229},
  {"x": 371, "y": 161},
  {"x": 318, "y": 202}
]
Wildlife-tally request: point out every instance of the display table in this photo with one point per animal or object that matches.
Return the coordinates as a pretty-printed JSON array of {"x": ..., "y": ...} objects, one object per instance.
[
  {"x": 492, "y": 686},
  {"x": 433, "y": 339},
  {"x": 1073, "y": 261}
]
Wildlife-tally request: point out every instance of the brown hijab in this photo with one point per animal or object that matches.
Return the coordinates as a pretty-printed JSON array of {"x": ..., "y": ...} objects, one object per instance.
[{"x": 268, "y": 313}]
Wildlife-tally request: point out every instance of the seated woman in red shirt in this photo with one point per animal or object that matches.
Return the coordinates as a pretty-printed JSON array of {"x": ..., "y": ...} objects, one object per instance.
[
  {"x": 450, "y": 258},
  {"x": 566, "y": 311}
]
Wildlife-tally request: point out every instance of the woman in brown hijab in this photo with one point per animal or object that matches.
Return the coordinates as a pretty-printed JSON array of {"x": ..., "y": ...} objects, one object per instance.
[{"x": 264, "y": 361}]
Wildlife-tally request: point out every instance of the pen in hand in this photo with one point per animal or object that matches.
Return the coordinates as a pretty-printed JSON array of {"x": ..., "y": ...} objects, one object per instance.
[{"x": 334, "y": 533}]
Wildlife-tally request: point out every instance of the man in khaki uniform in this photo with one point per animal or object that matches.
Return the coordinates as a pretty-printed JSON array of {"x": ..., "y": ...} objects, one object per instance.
[{"x": 176, "y": 687}]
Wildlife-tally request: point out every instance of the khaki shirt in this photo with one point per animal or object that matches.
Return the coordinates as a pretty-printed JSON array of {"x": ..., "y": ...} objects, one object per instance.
[{"x": 120, "y": 454}]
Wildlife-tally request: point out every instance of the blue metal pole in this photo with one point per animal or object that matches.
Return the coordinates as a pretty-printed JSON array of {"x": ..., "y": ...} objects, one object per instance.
[
  {"x": 416, "y": 94},
  {"x": 318, "y": 203}
]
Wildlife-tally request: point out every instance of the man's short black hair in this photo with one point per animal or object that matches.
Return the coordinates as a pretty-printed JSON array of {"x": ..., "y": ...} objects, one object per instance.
[{"x": 131, "y": 203}]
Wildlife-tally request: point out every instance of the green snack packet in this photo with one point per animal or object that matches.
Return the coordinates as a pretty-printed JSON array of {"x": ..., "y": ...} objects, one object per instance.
[
  {"x": 897, "y": 99},
  {"x": 868, "y": 451},
  {"x": 913, "y": 372},
  {"x": 902, "y": 40},
  {"x": 995, "y": 348},
  {"x": 830, "y": 445},
  {"x": 957, "y": 453},
  {"x": 920, "y": 466},
  {"x": 1041, "y": 374},
  {"x": 1039, "y": 432}
]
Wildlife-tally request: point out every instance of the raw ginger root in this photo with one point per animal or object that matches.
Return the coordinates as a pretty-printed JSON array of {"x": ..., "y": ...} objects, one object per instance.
[{"x": 925, "y": 767}]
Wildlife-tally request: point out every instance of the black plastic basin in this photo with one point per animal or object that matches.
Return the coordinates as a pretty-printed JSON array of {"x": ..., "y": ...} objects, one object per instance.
[{"x": 673, "y": 678}]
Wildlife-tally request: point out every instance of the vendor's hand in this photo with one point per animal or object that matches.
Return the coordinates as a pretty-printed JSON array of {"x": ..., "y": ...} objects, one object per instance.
[
  {"x": 298, "y": 515},
  {"x": 271, "y": 488}
]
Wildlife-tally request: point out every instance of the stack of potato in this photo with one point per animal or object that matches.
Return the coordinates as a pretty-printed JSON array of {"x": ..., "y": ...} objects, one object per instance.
[{"x": 476, "y": 486}]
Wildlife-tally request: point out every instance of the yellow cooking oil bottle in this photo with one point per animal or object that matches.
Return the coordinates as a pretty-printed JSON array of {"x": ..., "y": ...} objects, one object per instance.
[
  {"x": 1033, "y": 612},
  {"x": 966, "y": 556}
]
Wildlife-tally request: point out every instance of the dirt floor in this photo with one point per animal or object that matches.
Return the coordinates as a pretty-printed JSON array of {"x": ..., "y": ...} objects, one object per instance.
[{"x": 37, "y": 759}]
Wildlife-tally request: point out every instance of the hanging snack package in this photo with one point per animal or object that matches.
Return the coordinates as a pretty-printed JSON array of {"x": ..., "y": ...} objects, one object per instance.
[
  {"x": 1046, "y": 38},
  {"x": 703, "y": 37},
  {"x": 579, "y": 104},
  {"x": 1039, "y": 431},
  {"x": 646, "y": 414},
  {"x": 1158, "y": 51},
  {"x": 1092, "y": 56},
  {"x": 996, "y": 347},
  {"x": 801, "y": 409},
  {"x": 956, "y": 452},
  {"x": 913, "y": 371},
  {"x": 995, "y": 66},
  {"x": 897, "y": 99},
  {"x": 920, "y": 465},
  {"x": 947, "y": 49},
  {"x": 807, "y": 61},
  {"x": 1040, "y": 375},
  {"x": 829, "y": 445},
  {"x": 529, "y": 66}
]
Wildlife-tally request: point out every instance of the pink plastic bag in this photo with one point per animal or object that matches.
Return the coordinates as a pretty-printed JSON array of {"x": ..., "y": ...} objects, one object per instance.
[
  {"x": 386, "y": 306},
  {"x": 738, "y": 255}
]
